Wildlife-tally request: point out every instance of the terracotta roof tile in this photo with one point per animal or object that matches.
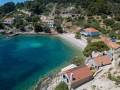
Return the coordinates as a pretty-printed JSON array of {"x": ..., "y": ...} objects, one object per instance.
[
  {"x": 91, "y": 30},
  {"x": 110, "y": 44},
  {"x": 105, "y": 60},
  {"x": 47, "y": 20},
  {"x": 78, "y": 28},
  {"x": 8, "y": 19},
  {"x": 79, "y": 73}
]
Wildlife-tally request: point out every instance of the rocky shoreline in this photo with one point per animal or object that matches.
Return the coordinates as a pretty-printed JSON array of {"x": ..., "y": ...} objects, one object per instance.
[
  {"x": 47, "y": 82},
  {"x": 12, "y": 34}
]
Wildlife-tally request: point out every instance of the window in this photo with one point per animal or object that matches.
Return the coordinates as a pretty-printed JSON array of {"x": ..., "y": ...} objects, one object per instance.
[{"x": 63, "y": 76}]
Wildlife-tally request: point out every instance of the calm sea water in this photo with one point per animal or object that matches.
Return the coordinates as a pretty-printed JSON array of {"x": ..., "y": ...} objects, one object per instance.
[
  {"x": 25, "y": 59},
  {"x": 15, "y": 1}
]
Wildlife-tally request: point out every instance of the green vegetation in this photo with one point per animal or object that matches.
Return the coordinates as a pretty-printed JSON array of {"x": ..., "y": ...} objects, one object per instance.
[
  {"x": 77, "y": 60},
  {"x": 78, "y": 36},
  {"x": 95, "y": 46},
  {"x": 89, "y": 40},
  {"x": 91, "y": 7},
  {"x": 37, "y": 27},
  {"x": 113, "y": 78},
  {"x": 62, "y": 86},
  {"x": 104, "y": 16},
  {"x": 20, "y": 24},
  {"x": 108, "y": 22},
  {"x": 95, "y": 37},
  {"x": 118, "y": 43},
  {"x": 7, "y": 8},
  {"x": 1, "y": 26},
  {"x": 117, "y": 18}
]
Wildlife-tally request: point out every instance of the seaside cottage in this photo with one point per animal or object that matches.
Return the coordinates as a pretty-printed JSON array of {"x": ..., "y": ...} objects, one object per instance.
[
  {"x": 114, "y": 48},
  {"x": 77, "y": 76},
  {"x": 91, "y": 32},
  {"x": 99, "y": 61},
  {"x": 50, "y": 23},
  {"x": 9, "y": 21}
]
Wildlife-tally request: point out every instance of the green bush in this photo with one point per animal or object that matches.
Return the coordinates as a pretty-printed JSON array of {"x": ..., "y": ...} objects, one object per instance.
[
  {"x": 119, "y": 44},
  {"x": 77, "y": 60},
  {"x": 91, "y": 68},
  {"x": 112, "y": 34},
  {"x": 95, "y": 46},
  {"x": 108, "y": 22},
  {"x": 104, "y": 16},
  {"x": 78, "y": 36},
  {"x": 1, "y": 26},
  {"x": 117, "y": 18},
  {"x": 109, "y": 75},
  {"x": 37, "y": 27},
  {"x": 116, "y": 26},
  {"x": 62, "y": 86}
]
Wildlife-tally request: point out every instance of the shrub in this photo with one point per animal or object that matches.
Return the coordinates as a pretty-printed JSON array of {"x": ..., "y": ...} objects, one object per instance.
[
  {"x": 112, "y": 34},
  {"x": 1, "y": 26},
  {"x": 37, "y": 27},
  {"x": 97, "y": 17},
  {"x": 78, "y": 36},
  {"x": 116, "y": 26},
  {"x": 62, "y": 86},
  {"x": 117, "y": 18},
  {"x": 119, "y": 63},
  {"x": 77, "y": 60},
  {"x": 91, "y": 68},
  {"x": 108, "y": 22},
  {"x": 99, "y": 20},
  {"x": 104, "y": 16},
  {"x": 109, "y": 75},
  {"x": 93, "y": 86},
  {"x": 119, "y": 44}
]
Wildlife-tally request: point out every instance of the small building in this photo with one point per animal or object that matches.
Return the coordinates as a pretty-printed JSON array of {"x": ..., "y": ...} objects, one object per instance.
[
  {"x": 50, "y": 23},
  {"x": 114, "y": 48},
  {"x": 9, "y": 21},
  {"x": 77, "y": 76},
  {"x": 91, "y": 32},
  {"x": 99, "y": 61}
]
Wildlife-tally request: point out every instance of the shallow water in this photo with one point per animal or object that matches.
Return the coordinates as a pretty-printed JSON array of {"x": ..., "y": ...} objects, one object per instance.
[{"x": 25, "y": 59}]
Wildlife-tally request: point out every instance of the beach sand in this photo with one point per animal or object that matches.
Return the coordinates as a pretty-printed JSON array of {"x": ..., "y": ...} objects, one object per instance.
[{"x": 78, "y": 42}]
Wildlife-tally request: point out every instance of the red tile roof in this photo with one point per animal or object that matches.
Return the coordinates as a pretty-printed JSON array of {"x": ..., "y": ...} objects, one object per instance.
[
  {"x": 91, "y": 30},
  {"x": 110, "y": 44},
  {"x": 78, "y": 28},
  {"x": 105, "y": 60},
  {"x": 47, "y": 20},
  {"x": 79, "y": 73},
  {"x": 8, "y": 19}
]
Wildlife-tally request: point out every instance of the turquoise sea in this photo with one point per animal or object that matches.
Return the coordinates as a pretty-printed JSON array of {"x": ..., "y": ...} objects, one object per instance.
[
  {"x": 24, "y": 60},
  {"x": 15, "y": 1}
]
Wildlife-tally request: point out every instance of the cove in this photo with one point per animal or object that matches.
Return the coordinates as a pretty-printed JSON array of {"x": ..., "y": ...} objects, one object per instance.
[{"x": 26, "y": 59}]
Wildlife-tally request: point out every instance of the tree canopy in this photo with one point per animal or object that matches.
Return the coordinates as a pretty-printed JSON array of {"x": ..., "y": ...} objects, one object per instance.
[
  {"x": 77, "y": 60},
  {"x": 95, "y": 46},
  {"x": 91, "y": 7}
]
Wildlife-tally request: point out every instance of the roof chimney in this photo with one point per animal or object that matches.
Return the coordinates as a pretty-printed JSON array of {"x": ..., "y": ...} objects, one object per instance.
[{"x": 71, "y": 77}]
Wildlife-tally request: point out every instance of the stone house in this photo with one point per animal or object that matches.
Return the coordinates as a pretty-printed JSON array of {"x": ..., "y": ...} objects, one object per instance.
[
  {"x": 91, "y": 32},
  {"x": 50, "y": 23},
  {"x": 76, "y": 76},
  {"x": 9, "y": 21},
  {"x": 99, "y": 61},
  {"x": 114, "y": 48}
]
